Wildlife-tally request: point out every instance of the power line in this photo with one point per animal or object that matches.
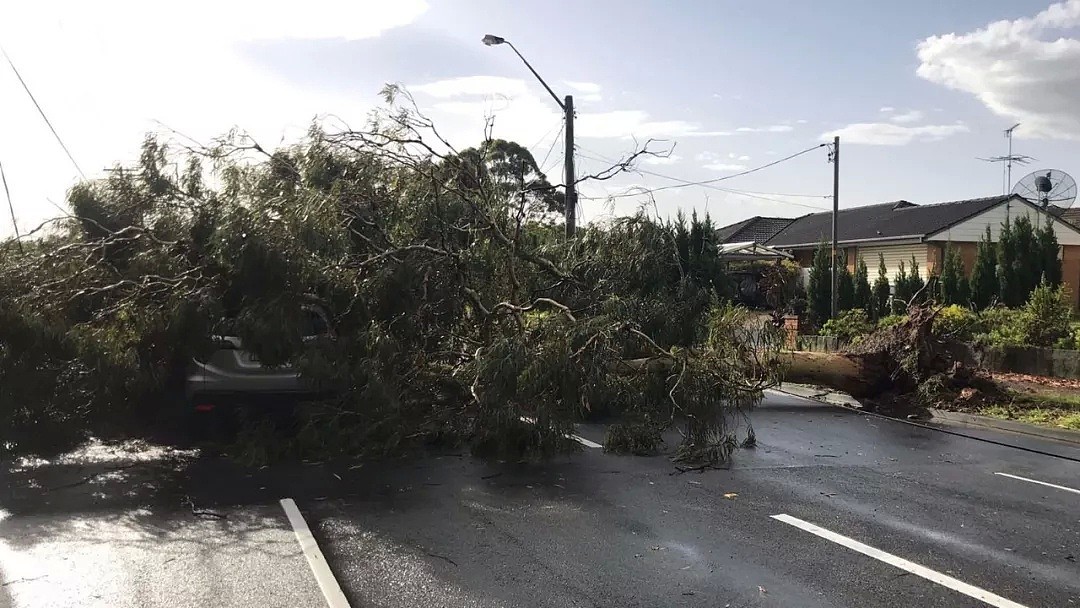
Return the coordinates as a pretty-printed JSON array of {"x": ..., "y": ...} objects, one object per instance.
[
  {"x": 749, "y": 193},
  {"x": 42, "y": 112},
  {"x": 557, "y": 125},
  {"x": 710, "y": 183},
  {"x": 543, "y": 164}
]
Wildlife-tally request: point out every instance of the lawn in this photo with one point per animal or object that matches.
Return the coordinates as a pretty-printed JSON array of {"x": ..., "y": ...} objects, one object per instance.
[{"x": 1055, "y": 403}]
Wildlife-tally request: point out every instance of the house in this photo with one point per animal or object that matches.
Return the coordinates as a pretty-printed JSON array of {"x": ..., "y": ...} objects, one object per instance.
[{"x": 901, "y": 230}]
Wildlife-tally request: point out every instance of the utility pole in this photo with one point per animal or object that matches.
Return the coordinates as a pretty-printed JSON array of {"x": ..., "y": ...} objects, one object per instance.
[
  {"x": 571, "y": 187},
  {"x": 835, "y": 211},
  {"x": 567, "y": 106}
]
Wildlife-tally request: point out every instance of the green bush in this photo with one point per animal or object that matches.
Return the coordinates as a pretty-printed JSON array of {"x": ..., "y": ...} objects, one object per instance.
[
  {"x": 1046, "y": 316},
  {"x": 957, "y": 322},
  {"x": 1045, "y": 321},
  {"x": 890, "y": 320},
  {"x": 849, "y": 325},
  {"x": 1000, "y": 327}
]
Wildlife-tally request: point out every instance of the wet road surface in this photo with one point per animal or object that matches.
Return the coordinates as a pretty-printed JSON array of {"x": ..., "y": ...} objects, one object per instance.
[{"x": 831, "y": 508}]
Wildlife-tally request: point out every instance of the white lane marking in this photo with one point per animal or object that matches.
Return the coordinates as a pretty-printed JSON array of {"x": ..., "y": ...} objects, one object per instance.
[
  {"x": 1041, "y": 483},
  {"x": 577, "y": 438},
  {"x": 931, "y": 575},
  {"x": 327, "y": 583}
]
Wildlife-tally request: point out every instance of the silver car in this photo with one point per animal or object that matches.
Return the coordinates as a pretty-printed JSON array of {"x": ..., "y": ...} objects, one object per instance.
[{"x": 231, "y": 374}]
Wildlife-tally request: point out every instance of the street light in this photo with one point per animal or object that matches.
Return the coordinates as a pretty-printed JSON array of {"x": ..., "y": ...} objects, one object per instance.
[{"x": 567, "y": 106}]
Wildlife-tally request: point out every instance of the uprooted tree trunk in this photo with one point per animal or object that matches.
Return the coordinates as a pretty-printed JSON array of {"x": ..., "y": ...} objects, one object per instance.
[{"x": 908, "y": 366}]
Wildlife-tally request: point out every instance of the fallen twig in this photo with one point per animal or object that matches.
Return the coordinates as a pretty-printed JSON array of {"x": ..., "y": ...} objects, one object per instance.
[{"x": 442, "y": 557}]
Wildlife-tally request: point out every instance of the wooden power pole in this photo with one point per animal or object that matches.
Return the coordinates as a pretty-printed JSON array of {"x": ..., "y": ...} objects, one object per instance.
[
  {"x": 571, "y": 187},
  {"x": 835, "y": 211}
]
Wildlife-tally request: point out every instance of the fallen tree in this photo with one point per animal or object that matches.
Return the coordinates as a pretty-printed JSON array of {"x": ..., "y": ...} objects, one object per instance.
[
  {"x": 462, "y": 314},
  {"x": 902, "y": 368}
]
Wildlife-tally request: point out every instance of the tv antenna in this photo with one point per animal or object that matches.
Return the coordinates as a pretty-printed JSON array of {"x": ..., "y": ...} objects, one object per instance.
[
  {"x": 1047, "y": 187},
  {"x": 1008, "y": 160}
]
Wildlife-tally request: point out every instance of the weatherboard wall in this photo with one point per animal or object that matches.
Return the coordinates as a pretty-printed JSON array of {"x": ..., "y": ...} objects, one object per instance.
[{"x": 973, "y": 229}]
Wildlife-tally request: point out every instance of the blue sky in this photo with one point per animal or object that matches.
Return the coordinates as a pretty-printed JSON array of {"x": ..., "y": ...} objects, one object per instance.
[{"x": 729, "y": 84}]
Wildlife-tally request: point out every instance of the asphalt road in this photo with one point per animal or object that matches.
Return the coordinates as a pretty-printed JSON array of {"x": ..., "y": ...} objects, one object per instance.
[{"x": 831, "y": 508}]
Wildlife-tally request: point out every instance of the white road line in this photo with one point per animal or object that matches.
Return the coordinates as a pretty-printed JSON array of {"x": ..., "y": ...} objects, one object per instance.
[
  {"x": 327, "y": 583},
  {"x": 1041, "y": 483},
  {"x": 578, "y": 438},
  {"x": 931, "y": 575}
]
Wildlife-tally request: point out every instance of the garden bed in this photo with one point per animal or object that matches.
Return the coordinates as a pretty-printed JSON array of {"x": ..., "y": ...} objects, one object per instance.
[{"x": 1038, "y": 400}]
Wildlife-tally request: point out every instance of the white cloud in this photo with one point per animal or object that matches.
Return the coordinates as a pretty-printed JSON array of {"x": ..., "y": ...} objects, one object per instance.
[
  {"x": 106, "y": 71},
  {"x": 768, "y": 129},
  {"x": 467, "y": 86},
  {"x": 725, "y": 167},
  {"x": 1021, "y": 69},
  {"x": 908, "y": 117},
  {"x": 889, "y": 134},
  {"x": 587, "y": 92},
  {"x": 583, "y": 87},
  {"x": 887, "y": 109},
  {"x": 522, "y": 113},
  {"x": 801, "y": 121},
  {"x": 740, "y": 157},
  {"x": 661, "y": 160}
]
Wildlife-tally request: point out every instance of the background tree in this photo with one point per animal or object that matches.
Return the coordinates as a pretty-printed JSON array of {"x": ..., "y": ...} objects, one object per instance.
[
  {"x": 845, "y": 288},
  {"x": 901, "y": 290},
  {"x": 1028, "y": 260},
  {"x": 984, "y": 280},
  {"x": 1048, "y": 251},
  {"x": 864, "y": 297},
  {"x": 915, "y": 282},
  {"x": 953, "y": 283},
  {"x": 882, "y": 289},
  {"x": 1009, "y": 291},
  {"x": 819, "y": 286}
]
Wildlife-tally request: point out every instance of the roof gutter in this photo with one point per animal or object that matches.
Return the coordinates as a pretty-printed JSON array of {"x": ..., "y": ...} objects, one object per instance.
[{"x": 916, "y": 238}]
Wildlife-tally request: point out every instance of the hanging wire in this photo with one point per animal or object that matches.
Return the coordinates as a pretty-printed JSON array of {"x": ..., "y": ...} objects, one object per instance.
[{"x": 42, "y": 112}]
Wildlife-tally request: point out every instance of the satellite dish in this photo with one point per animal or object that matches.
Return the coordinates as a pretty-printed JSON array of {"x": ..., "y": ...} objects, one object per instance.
[{"x": 1047, "y": 187}]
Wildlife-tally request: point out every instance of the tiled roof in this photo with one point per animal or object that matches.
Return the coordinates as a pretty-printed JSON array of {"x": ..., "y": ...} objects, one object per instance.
[
  {"x": 882, "y": 221},
  {"x": 757, "y": 229}
]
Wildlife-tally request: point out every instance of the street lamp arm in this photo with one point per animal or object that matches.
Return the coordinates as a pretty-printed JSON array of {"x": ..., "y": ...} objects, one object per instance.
[{"x": 528, "y": 65}]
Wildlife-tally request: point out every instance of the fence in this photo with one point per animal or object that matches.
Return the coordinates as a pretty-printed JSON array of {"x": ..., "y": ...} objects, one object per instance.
[{"x": 1028, "y": 360}]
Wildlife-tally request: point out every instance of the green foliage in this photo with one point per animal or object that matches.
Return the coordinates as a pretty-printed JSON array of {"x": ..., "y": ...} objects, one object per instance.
[
  {"x": 953, "y": 283},
  {"x": 779, "y": 284},
  {"x": 1028, "y": 260},
  {"x": 882, "y": 290},
  {"x": 1001, "y": 327},
  {"x": 957, "y": 322},
  {"x": 890, "y": 321},
  {"x": 901, "y": 290},
  {"x": 864, "y": 297},
  {"x": 1011, "y": 291},
  {"x": 458, "y": 307},
  {"x": 1046, "y": 316},
  {"x": 849, "y": 325},
  {"x": 984, "y": 279},
  {"x": 1044, "y": 321},
  {"x": 819, "y": 286},
  {"x": 845, "y": 289},
  {"x": 1048, "y": 252},
  {"x": 916, "y": 283}
]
